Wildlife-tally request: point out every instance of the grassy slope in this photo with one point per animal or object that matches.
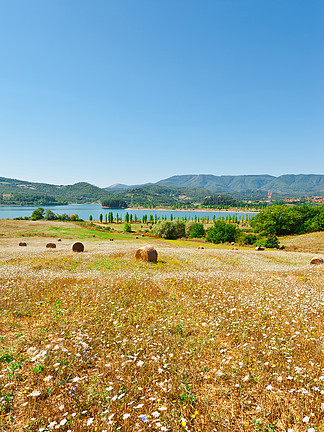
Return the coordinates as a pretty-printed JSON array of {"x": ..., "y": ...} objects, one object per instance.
[
  {"x": 205, "y": 340},
  {"x": 312, "y": 242}
]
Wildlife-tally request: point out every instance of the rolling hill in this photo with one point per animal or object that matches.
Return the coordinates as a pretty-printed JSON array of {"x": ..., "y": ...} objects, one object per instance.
[
  {"x": 285, "y": 185},
  {"x": 13, "y": 191},
  {"x": 179, "y": 189}
]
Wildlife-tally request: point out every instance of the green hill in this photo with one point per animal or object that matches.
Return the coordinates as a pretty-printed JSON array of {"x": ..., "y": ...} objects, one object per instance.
[
  {"x": 157, "y": 196},
  {"x": 285, "y": 185},
  {"x": 13, "y": 191}
]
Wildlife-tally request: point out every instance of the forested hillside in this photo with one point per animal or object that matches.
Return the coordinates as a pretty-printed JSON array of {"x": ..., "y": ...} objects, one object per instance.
[
  {"x": 13, "y": 191},
  {"x": 155, "y": 196}
]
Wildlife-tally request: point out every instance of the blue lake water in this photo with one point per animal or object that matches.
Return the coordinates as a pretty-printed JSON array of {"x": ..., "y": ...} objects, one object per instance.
[{"x": 85, "y": 210}]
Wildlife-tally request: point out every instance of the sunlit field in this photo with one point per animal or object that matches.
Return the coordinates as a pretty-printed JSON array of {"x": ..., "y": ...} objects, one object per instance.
[{"x": 213, "y": 339}]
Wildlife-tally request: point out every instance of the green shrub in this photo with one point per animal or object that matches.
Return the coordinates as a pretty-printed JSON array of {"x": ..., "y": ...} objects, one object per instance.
[
  {"x": 127, "y": 227},
  {"x": 272, "y": 242},
  {"x": 197, "y": 231},
  {"x": 222, "y": 232},
  {"x": 249, "y": 239},
  {"x": 170, "y": 229},
  {"x": 189, "y": 226}
]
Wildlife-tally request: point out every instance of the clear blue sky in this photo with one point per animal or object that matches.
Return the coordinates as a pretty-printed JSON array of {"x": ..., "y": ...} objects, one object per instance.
[{"x": 135, "y": 91}]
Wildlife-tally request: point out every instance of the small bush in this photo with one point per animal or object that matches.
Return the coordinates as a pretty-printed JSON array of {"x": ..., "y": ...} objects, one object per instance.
[
  {"x": 170, "y": 229},
  {"x": 272, "y": 242},
  {"x": 197, "y": 231},
  {"x": 249, "y": 239},
  {"x": 127, "y": 227}
]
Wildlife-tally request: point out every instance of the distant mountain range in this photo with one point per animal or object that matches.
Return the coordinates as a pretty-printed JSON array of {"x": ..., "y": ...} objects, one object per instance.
[
  {"x": 176, "y": 189},
  {"x": 285, "y": 185}
]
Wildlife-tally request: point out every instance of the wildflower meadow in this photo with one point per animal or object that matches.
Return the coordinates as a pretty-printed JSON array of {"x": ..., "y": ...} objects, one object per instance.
[{"x": 211, "y": 339}]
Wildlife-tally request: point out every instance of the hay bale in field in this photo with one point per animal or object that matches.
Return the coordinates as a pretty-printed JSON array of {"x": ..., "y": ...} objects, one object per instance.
[
  {"x": 111, "y": 239},
  {"x": 232, "y": 243},
  {"x": 22, "y": 244},
  {"x": 316, "y": 260},
  {"x": 146, "y": 253},
  {"x": 142, "y": 235},
  {"x": 136, "y": 238},
  {"x": 200, "y": 247},
  {"x": 234, "y": 249},
  {"x": 259, "y": 248},
  {"x": 59, "y": 239},
  {"x": 51, "y": 245},
  {"x": 93, "y": 235},
  {"x": 78, "y": 247}
]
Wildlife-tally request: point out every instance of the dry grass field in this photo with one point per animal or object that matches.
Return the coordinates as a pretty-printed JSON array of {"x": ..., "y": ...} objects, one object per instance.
[
  {"x": 203, "y": 340},
  {"x": 312, "y": 242}
]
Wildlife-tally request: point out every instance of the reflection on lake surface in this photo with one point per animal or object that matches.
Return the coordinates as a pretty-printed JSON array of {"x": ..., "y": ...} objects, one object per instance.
[{"x": 85, "y": 210}]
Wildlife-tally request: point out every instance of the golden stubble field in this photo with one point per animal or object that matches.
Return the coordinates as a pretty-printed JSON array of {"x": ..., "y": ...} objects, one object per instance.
[{"x": 203, "y": 340}]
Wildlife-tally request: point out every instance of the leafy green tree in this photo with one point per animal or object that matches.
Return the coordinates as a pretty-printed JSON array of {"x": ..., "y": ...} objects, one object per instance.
[
  {"x": 90, "y": 218},
  {"x": 49, "y": 215},
  {"x": 127, "y": 217},
  {"x": 106, "y": 218},
  {"x": 100, "y": 217},
  {"x": 197, "y": 231},
  {"x": 283, "y": 220},
  {"x": 222, "y": 232},
  {"x": 38, "y": 214}
]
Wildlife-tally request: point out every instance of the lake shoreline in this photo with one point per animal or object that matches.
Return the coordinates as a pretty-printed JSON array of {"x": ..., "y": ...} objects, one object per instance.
[
  {"x": 84, "y": 211},
  {"x": 192, "y": 210}
]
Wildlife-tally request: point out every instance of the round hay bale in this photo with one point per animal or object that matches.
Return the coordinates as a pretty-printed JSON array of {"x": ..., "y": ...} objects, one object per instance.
[
  {"x": 201, "y": 247},
  {"x": 232, "y": 243},
  {"x": 142, "y": 235},
  {"x": 234, "y": 249},
  {"x": 316, "y": 260},
  {"x": 51, "y": 245},
  {"x": 259, "y": 248},
  {"x": 136, "y": 238},
  {"x": 59, "y": 239},
  {"x": 146, "y": 253},
  {"x": 111, "y": 239},
  {"x": 77, "y": 247},
  {"x": 93, "y": 235},
  {"x": 22, "y": 244}
]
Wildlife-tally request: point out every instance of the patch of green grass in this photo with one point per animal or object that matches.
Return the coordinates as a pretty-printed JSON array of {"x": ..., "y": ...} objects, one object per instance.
[
  {"x": 6, "y": 357},
  {"x": 105, "y": 263},
  {"x": 86, "y": 233}
]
